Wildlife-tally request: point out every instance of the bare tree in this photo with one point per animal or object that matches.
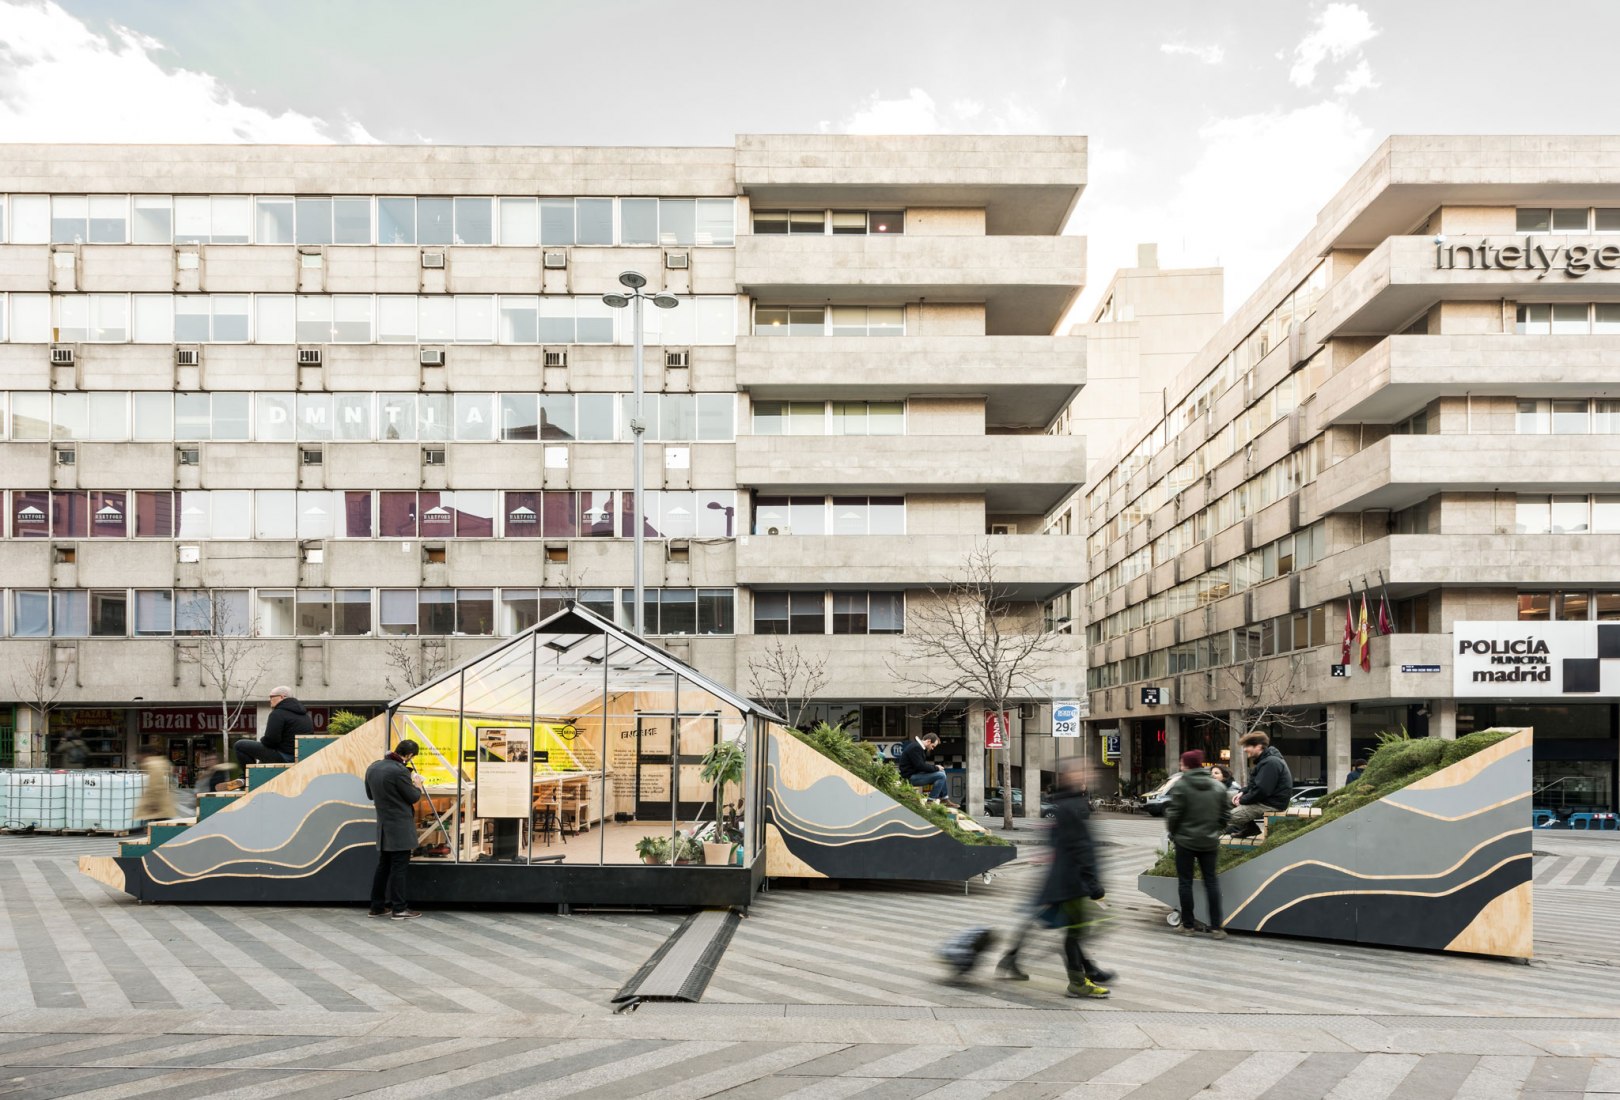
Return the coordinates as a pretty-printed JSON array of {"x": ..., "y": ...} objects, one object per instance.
[
  {"x": 413, "y": 664},
  {"x": 35, "y": 682},
  {"x": 1264, "y": 692},
  {"x": 966, "y": 640},
  {"x": 785, "y": 680},
  {"x": 230, "y": 660}
]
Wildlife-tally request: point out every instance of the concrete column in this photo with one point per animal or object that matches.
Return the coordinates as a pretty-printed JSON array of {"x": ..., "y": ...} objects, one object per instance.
[
  {"x": 1338, "y": 744},
  {"x": 1037, "y": 749},
  {"x": 976, "y": 762},
  {"x": 1443, "y": 719},
  {"x": 1172, "y": 743},
  {"x": 1234, "y": 732},
  {"x": 28, "y": 740},
  {"x": 1127, "y": 750}
]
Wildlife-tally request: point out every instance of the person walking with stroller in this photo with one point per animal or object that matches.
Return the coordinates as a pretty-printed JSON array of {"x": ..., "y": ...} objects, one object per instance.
[
  {"x": 1072, "y": 896},
  {"x": 1195, "y": 818}
]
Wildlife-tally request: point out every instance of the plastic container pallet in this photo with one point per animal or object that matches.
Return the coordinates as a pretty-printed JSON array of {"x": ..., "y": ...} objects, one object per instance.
[
  {"x": 103, "y": 801},
  {"x": 36, "y": 799}
]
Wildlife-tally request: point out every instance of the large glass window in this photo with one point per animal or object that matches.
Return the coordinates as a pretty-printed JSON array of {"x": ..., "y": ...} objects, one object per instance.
[
  {"x": 351, "y": 612},
  {"x": 396, "y": 611},
  {"x": 154, "y": 613},
  {"x": 396, "y": 220}
]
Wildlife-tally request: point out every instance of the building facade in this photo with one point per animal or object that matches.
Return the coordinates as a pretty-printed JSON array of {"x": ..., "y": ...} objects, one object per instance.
[
  {"x": 355, "y": 411},
  {"x": 1413, "y": 411}
]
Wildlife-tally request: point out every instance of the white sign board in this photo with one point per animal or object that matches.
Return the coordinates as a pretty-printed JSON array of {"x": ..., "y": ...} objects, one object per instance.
[
  {"x": 1535, "y": 660},
  {"x": 1066, "y": 716}
]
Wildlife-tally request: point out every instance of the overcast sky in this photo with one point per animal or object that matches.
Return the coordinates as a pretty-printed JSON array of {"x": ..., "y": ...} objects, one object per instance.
[{"x": 1218, "y": 128}]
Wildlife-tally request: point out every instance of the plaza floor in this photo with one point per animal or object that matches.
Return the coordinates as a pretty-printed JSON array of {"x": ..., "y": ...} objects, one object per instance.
[{"x": 822, "y": 993}]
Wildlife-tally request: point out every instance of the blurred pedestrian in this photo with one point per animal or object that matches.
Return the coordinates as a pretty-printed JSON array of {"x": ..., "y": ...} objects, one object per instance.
[
  {"x": 1195, "y": 817},
  {"x": 157, "y": 799},
  {"x": 1356, "y": 768},
  {"x": 1072, "y": 897},
  {"x": 75, "y": 753}
]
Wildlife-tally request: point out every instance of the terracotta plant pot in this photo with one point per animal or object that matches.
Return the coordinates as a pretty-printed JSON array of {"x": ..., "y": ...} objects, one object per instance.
[{"x": 717, "y": 854}]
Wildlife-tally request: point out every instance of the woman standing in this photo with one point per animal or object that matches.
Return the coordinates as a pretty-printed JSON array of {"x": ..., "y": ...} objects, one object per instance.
[{"x": 157, "y": 800}]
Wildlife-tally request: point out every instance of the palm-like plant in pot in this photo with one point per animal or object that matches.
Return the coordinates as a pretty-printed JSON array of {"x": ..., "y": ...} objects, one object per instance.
[{"x": 722, "y": 766}]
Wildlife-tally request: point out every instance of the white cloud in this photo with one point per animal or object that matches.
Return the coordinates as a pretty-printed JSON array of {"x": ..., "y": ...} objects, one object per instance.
[
  {"x": 1340, "y": 32},
  {"x": 1357, "y": 79},
  {"x": 1209, "y": 55},
  {"x": 61, "y": 81},
  {"x": 917, "y": 113}
]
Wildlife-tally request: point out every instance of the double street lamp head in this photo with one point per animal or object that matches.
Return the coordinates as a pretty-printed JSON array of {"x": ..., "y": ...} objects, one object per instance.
[{"x": 635, "y": 280}]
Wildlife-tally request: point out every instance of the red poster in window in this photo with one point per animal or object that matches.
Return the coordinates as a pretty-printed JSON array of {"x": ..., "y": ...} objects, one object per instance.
[
  {"x": 523, "y": 515},
  {"x": 357, "y": 514},
  {"x": 995, "y": 730},
  {"x": 437, "y": 518},
  {"x": 396, "y": 517},
  {"x": 30, "y": 514},
  {"x": 154, "y": 514},
  {"x": 70, "y": 515}
]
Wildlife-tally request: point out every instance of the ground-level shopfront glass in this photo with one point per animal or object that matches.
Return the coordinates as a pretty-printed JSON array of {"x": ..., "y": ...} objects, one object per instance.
[
  {"x": 1575, "y": 749},
  {"x": 578, "y": 745}
]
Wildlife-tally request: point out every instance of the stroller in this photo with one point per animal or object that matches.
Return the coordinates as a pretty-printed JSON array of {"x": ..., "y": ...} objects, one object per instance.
[{"x": 962, "y": 951}]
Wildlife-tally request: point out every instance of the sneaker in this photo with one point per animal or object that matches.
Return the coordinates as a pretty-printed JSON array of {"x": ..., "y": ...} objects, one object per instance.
[
  {"x": 1085, "y": 987},
  {"x": 377, "y": 913},
  {"x": 1185, "y": 929},
  {"x": 1217, "y": 933},
  {"x": 409, "y": 914},
  {"x": 1008, "y": 970},
  {"x": 1100, "y": 976}
]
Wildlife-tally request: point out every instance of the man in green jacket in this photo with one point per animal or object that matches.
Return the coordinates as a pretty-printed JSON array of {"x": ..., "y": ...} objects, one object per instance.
[{"x": 1196, "y": 817}]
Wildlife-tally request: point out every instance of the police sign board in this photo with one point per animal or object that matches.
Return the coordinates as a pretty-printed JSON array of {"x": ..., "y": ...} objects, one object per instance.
[
  {"x": 1535, "y": 660},
  {"x": 1065, "y": 718}
]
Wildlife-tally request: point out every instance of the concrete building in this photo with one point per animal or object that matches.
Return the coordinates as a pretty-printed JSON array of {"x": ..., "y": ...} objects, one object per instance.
[
  {"x": 360, "y": 409},
  {"x": 1418, "y": 402}
]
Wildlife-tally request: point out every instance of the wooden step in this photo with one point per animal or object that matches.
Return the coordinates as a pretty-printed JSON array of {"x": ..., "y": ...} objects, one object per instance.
[
  {"x": 260, "y": 774},
  {"x": 310, "y": 744},
  {"x": 215, "y": 801}
]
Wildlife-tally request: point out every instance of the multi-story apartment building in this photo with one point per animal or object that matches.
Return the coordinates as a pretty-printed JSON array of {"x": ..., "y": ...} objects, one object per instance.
[
  {"x": 365, "y": 408},
  {"x": 1417, "y": 402}
]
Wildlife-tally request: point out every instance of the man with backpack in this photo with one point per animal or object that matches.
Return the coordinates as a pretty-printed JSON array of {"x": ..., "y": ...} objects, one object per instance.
[{"x": 1195, "y": 818}]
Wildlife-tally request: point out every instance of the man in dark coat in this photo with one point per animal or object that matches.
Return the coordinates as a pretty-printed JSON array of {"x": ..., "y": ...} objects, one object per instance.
[
  {"x": 1268, "y": 790},
  {"x": 394, "y": 788},
  {"x": 919, "y": 771},
  {"x": 1196, "y": 817},
  {"x": 287, "y": 722},
  {"x": 1072, "y": 896}
]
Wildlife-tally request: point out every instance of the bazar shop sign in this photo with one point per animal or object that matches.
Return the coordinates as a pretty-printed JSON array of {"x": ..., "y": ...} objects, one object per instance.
[
  {"x": 192, "y": 720},
  {"x": 1536, "y": 659},
  {"x": 1574, "y": 260}
]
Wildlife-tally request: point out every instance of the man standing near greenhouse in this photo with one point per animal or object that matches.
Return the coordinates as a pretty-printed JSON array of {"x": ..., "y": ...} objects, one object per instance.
[{"x": 1195, "y": 818}]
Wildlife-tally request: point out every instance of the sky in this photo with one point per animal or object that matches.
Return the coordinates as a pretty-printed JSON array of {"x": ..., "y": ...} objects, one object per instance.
[{"x": 1217, "y": 128}]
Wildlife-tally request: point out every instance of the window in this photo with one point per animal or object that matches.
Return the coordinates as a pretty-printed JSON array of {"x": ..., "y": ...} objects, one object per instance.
[
  {"x": 520, "y": 609},
  {"x": 790, "y": 321},
  {"x": 30, "y": 614},
  {"x": 396, "y": 220},
  {"x": 716, "y": 611},
  {"x": 273, "y": 220},
  {"x": 1534, "y": 418},
  {"x": 396, "y": 612},
  {"x": 436, "y": 611},
  {"x": 152, "y": 221},
  {"x": 154, "y": 613},
  {"x": 1532, "y": 515}
]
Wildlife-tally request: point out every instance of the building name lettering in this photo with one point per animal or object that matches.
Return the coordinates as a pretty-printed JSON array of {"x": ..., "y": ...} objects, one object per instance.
[{"x": 1573, "y": 260}]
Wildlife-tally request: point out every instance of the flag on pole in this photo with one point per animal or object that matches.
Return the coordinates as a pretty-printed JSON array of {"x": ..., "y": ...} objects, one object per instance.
[
  {"x": 1361, "y": 632},
  {"x": 1386, "y": 621},
  {"x": 1349, "y": 627}
]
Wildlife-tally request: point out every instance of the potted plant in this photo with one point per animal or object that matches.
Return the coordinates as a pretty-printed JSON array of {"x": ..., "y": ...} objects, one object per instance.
[
  {"x": 687, "y": 849},
  {"x": 653, "y": 849},
  {"x": 722, "y": 765}
]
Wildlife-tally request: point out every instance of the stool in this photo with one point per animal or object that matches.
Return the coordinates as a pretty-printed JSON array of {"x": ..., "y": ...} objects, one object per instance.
[
  {"x": 1580, "y": 821},
  {"x": 1540, "y": 819}
]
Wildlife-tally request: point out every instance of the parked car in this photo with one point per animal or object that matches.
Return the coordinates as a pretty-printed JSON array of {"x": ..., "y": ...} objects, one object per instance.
[
  {"x": 1155, "y": 801},
  {"x": 1305, "y": 797},
  {"x": 993, "y": 807}
]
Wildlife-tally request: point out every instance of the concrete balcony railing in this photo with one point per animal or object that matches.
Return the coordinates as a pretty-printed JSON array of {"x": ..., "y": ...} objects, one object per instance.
[
  {"x": 1032, "y": 567},
  {"x": 1019, "y": 474},
  {"x": 1404, "y": 276},
  {"x": 1026, "y": 380},
  {"x": 1401, "y": 375},
  {"x": 860, "y": 666},
  {"x": 1401, "y": 470},
  {"x": 1412, "y": 562},
  {"x": 1026, "y": 283}
]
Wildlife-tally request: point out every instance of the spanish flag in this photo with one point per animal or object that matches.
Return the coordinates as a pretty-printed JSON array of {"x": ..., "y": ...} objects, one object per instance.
[{"x": 1362, "y": 634}]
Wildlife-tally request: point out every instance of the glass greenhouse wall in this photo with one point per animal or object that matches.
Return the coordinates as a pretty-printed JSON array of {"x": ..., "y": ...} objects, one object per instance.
[{"x": 579, "y": 744}]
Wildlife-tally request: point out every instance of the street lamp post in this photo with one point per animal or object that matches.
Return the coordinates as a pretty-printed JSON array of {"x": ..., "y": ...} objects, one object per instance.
[{"x": 633, "y": 282}]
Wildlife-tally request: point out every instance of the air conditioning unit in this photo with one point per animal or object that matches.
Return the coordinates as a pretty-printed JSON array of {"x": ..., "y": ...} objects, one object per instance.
[
  {"x": 67, "y": 456},
  {"x": 779, "y": 529},
  {"x": 557, "y": 358},
  {"x": 677, "y": 261},
  {"x": 677, "y": 359},
  {"x": 433, "y": 456},
  {"x": 188, "y": 456},
  {"x": 309, "y": 357},
  {"x": 1001, "y": 529},
  {"x": 311, "y": 456},
  {"x": 433, "y": 260},
  {"x": 61, "y": 357},
  {"x": 554, "y": 259},
  {"x": 431, "y": 357},
  {"x": 187, "y": 357}
]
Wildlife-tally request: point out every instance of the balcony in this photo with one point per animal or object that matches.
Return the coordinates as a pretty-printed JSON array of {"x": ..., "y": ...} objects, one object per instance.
[
  {"x": 1401, "y": 470},
  {"x": 1027, "y": 380},
  {"x": 1401, "y": 375},
  {"x": 1019, "y": 474},
  {"x": 1404, "y": 276},
  {"x": 1412, "y": 563},
  {"x": 1025, "y": 184},
  {"x": 1032, "y": 567},
  {"x": 1026, "y": 283}
]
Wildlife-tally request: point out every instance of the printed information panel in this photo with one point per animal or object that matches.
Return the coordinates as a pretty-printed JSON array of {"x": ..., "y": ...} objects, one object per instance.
[{"x": 1511, "y": 659}]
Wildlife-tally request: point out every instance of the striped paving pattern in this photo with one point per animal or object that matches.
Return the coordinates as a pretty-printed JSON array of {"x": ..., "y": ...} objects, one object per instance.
[{"x": 823, "y": 993}]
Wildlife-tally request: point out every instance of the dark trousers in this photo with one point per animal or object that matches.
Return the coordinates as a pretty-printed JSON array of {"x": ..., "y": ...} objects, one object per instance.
[
  {"x": 1205, "y": 861},
  {"x": 1075, "y": 959},
  {"x": 257, "y": 752},
  {"x": 388, "y": 884}
]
